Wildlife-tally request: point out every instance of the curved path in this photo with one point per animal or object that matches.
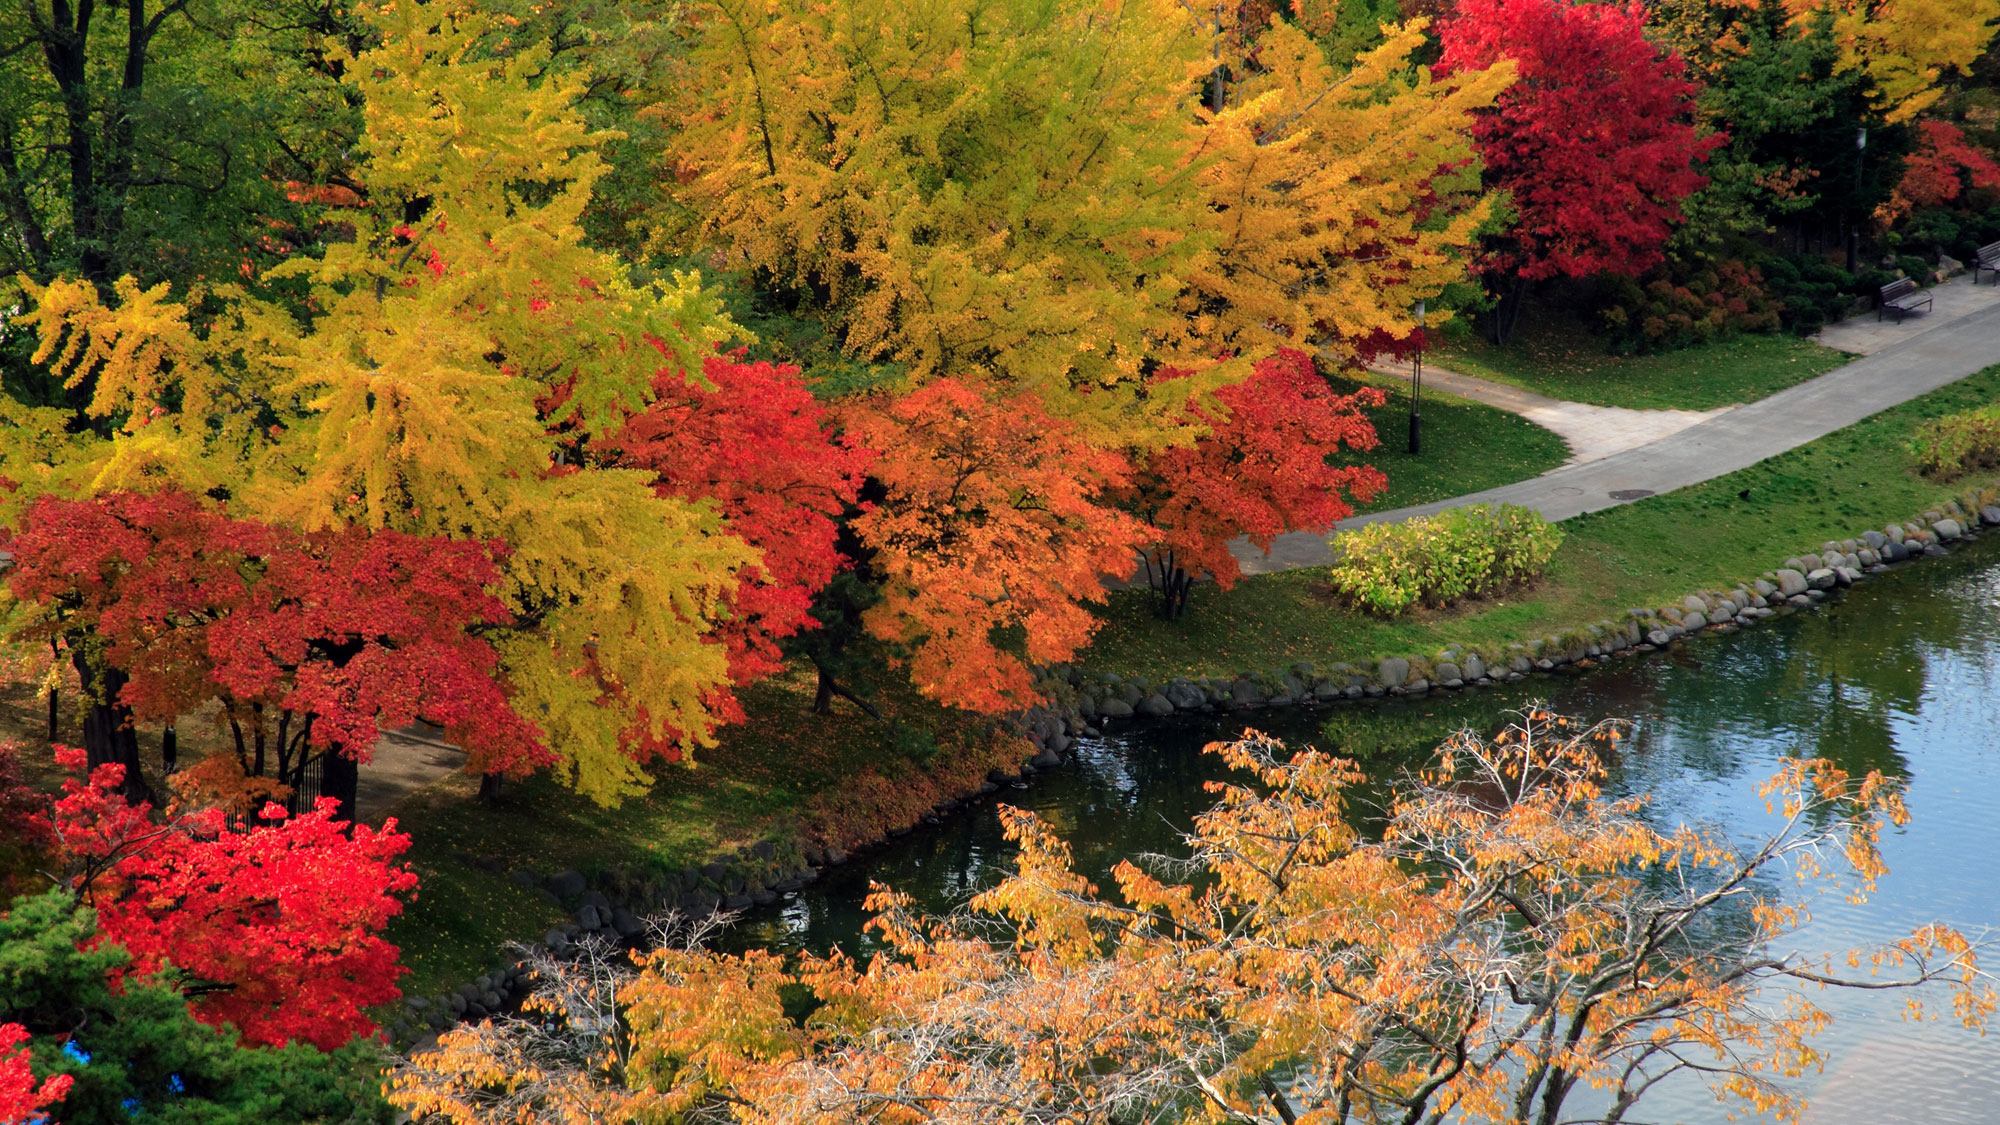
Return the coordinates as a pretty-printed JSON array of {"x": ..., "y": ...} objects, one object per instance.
[
  {"x": 1592, "y": 432},
  {"x": 1914, "y": 359}
]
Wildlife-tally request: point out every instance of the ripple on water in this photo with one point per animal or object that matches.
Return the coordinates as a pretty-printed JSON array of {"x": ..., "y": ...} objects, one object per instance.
[{"x": 1901, "y": 675}]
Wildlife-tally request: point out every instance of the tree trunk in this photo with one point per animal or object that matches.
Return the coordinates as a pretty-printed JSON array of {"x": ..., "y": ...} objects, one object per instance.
[
  {"x": 823, "y": 698},
  {"x": 108, "y": 735},
  {"x": 170, "y": 750},
  {"x": 1507, "y": 314},
  {"x": 340, "y": 778},
  {"x": 489, "y": 787},
  {"x": 830, "y": 687}
]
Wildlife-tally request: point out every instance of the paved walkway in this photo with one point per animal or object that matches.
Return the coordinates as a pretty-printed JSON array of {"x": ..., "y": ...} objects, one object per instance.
[
  {"x": 1866, "y": 335},
  {"x": 1935, "y": 350},
  {"x": 1592, "y": 432}
]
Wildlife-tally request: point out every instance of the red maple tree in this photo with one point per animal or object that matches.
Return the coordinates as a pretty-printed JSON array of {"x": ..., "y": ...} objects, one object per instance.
[
  {"x": 310, "y": 640},
  {"x": 274, "y": 923},
  {"x": 20, "y": 1098},
  {"x": 1595, "y": 141},
  {"x": 1260, "y": 471},
  {"x": 1944, "y": 164},
  {"x": 755, "y": 441}
]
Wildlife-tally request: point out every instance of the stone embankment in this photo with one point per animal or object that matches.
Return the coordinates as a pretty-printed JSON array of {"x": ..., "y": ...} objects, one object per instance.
[{"x": 615, "y": 904}]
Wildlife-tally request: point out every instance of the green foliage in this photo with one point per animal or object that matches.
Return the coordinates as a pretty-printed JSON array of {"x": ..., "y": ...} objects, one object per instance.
[
  {"x": 1810, "y": 290},
  {"x": 1436, "y": 560},
  {"x": 1686, "y": 305},
  {"x": 1958, "y": 443},
  {"x": 140, "y": 1054}
]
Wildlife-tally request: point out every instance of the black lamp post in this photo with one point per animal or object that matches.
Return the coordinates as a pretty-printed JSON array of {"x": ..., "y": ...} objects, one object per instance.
[
  {"x": 1417, "y": 382},
  {"x": 1854, "y": 225}
]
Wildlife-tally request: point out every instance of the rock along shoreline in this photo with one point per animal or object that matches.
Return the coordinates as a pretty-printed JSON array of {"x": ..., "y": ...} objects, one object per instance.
[{"x": 614, "y": 904}]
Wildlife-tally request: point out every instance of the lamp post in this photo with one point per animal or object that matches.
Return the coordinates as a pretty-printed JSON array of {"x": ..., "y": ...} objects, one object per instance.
[
  {"x": 1417, "y": 382},
  {"x": 1854, "y": 225}
]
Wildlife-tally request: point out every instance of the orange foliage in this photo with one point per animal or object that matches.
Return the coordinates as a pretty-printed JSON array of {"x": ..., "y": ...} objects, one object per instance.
[
  {"x": 995, "y": 521},
  {"x": 1515, "y": 934}
]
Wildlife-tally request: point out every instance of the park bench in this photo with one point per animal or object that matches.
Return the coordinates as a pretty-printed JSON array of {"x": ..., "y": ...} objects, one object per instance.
[
  {"x": 1988, "y": 259},
  {"x": 1902, "y": 296}
]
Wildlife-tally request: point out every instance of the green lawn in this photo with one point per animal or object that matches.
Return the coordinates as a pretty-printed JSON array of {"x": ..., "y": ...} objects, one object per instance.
[
  {"x": 1467, "y": 447},
  {"x": 842, "y": 778},
  {"x": 1638, "y": 555},
  {"x": 1557, "y": 357}
]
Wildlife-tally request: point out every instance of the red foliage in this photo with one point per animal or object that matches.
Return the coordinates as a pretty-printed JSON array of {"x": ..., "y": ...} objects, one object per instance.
[
  {"x": 279, "y": 922},
  {"x": 1261, "y": 470},
  {"x": 343, "y": 630},
  {"x": 757, "y": 443},
  {"x": 20, "y": 1099},
  {"x": 1943, "y": 166},
  {"x": 1595, "y": 140}
]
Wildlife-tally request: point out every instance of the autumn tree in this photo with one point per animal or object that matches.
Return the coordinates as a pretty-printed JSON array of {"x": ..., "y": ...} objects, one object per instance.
[
  {"x": 310, "y": 642},
  {"x": 752, "y": 438},
  {"x": 21, "y": 1097},
  {"x": 1595, "y": 143},
  {"x": 1260, "y": 470},
  {"x": 1514, "y": 938},
  {"x": 442, "y": 372},
  {"x": 271, "y": 922},
  {"x": 1906, "y": 49},
  {"x": 1338, "y": 197},
  {"x": 116, "y": 1052},
  {"x": 1944, "y": 165},
  {"x": 996, "y": 527},
  {"x": 970, "y": 191}
]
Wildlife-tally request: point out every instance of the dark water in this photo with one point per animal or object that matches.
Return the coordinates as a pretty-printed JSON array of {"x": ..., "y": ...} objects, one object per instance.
[{"x": 1899, "y": 675}]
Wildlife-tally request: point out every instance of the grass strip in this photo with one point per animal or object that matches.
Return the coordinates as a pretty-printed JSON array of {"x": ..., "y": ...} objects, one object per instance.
[
  {"x": 1641, "y": 554},
  {"x": 1558, "y": 359},
  {"x": 1468, "y": 447}
]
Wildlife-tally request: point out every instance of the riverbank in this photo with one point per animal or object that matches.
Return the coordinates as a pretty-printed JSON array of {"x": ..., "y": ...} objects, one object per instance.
[
  {"x": 787, "y": 777},
  {"x": 1715, "y": 534}
]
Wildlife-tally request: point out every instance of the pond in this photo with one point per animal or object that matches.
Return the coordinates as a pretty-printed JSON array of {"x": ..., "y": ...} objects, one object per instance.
[{"x": 1901, "y": 675}]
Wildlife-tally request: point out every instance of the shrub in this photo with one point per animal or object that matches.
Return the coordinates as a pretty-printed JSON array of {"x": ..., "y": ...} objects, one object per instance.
[
  {"x": 1811, "y": 291},
  {"x": 1680, "y": 308},
  {"x": 1458, "y": 553},
  {"x": 1958, "y": 443}
]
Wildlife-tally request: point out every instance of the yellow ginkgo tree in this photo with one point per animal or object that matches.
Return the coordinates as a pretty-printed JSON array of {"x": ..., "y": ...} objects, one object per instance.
[{"x": 442, "y": 371}]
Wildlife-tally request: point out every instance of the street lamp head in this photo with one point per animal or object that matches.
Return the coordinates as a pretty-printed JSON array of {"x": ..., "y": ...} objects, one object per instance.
[
  {"x": 1420, "y": 312},
  {"x": 1861, "y": 138}
]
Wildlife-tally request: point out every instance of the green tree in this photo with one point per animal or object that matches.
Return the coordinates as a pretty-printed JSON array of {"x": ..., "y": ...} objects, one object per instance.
[{"x": 134, "y": 1051}]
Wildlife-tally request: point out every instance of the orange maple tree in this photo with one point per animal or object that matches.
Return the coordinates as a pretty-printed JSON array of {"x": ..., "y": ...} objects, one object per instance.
[
  {"x": 1513, "y": 935},
  {"x": 996, "y": 527}
]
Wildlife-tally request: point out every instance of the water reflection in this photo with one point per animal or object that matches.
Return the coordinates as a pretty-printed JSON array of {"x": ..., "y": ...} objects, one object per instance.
[{"x": 1899, "y": 676}]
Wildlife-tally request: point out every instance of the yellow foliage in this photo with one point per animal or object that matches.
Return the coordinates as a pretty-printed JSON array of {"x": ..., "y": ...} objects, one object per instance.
[
  {"x": 1338, "y": 199},
  {"x": 447, "y": 370},
  {"x": 985, "y": 190},
  {"x": 1905, "y": 46},
  {"x": 1513, "y": 934}
]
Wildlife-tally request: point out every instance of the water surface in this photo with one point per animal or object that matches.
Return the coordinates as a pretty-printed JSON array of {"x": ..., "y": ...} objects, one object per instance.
[{"x": 1898, "y": 675}]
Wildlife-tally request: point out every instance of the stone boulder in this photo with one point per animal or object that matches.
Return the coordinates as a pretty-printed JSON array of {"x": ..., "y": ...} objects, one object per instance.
[
  {"x": 1947, "y": 529},
  {"x": 1791, "y": 582},
  {"x": 1393, "y": 671},
  {"x": 1114, "y": 709},
  {"x": 1156, "y": 705},
  {"x": 1821, "y": 578}
]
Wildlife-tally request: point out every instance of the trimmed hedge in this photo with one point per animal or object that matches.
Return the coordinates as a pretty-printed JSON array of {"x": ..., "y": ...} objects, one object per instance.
[
  {"x": 1435, "y": 560},
  {"x": 1958, "y": 443}
]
